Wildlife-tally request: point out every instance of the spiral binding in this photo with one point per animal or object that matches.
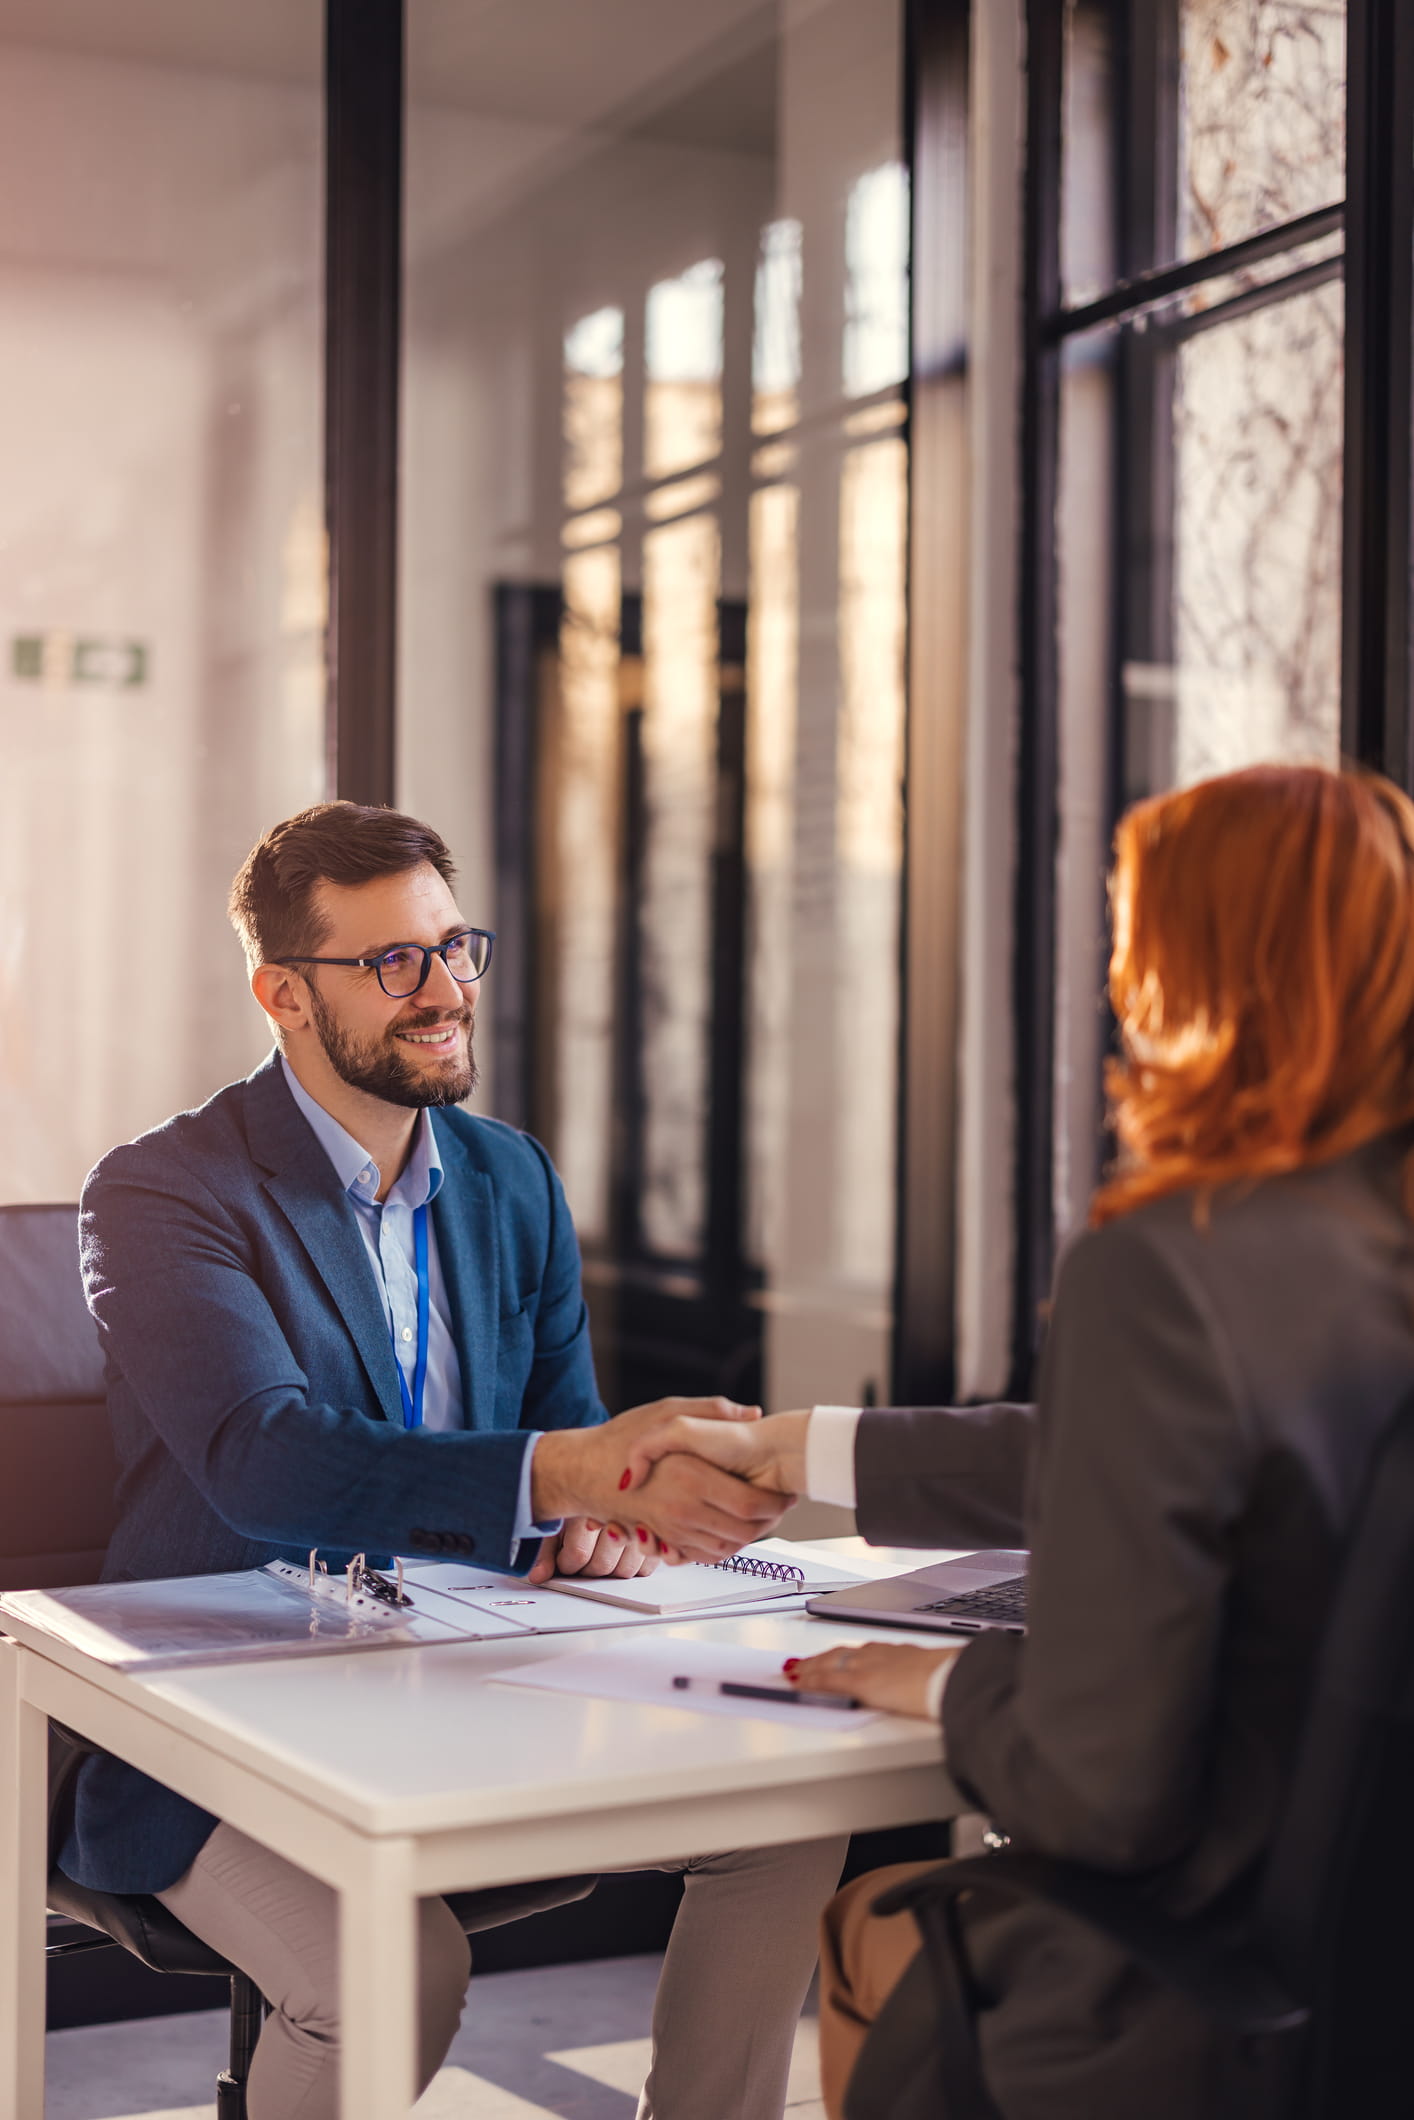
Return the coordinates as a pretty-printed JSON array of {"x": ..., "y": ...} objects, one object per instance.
[{"x": 772, "y": 1571}]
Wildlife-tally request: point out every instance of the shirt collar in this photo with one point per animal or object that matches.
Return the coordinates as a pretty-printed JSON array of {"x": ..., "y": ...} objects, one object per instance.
[{"x": 355, "y": 1169}]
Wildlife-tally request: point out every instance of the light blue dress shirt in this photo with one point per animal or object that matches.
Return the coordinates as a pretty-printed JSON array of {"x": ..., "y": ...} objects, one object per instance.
[{"x": 387, "y": 1231}]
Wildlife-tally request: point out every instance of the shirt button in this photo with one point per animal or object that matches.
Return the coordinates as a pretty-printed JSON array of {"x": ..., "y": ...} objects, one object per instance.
[
  {"x": 365, "y": 1178},
  {"x": 407, "y": 1332}
]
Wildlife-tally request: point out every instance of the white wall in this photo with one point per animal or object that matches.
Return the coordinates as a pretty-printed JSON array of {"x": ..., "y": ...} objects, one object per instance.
[{"x": 159, "y": 432}]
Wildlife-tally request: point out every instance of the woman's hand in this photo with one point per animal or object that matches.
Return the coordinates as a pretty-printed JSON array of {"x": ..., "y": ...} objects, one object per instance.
[
  {"x": 770, "y": 1453},
  {"x": 882, "y": 1674},
  {"x": 587, "y": 1548},
  {"x": 685, "y": 1506}
]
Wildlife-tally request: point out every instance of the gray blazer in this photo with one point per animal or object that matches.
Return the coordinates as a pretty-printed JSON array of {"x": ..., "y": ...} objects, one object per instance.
[{"x": 1211, "y": 1393}]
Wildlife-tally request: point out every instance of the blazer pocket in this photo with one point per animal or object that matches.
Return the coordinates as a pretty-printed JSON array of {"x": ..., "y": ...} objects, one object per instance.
[{"x": 515, "y": 1352}]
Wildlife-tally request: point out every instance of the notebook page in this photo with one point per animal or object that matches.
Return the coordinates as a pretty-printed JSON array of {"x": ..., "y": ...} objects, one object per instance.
[{"x": 767, "y": 1570}]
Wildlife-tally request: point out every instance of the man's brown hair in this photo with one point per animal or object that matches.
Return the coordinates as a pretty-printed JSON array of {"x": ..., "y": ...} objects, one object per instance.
[{"x": 272, "y": 899}]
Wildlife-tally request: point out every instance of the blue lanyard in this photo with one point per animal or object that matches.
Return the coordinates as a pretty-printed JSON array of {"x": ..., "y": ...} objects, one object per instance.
[{"x": 412, "y": 1400}]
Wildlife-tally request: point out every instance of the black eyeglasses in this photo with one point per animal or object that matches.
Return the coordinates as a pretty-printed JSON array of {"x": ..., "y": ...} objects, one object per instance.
[{"x": 402, "y": 970}]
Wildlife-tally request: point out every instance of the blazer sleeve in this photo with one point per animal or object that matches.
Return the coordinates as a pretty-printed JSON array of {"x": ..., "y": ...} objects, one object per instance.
[
  {"x": 1089, "y": 1738},
  {"x": 943, "y": 1475},
  {"x": 171, "y": 1282}
]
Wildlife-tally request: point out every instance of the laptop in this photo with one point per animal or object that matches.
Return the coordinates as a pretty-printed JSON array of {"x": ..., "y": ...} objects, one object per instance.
[{"x": 967, "y": 1596}]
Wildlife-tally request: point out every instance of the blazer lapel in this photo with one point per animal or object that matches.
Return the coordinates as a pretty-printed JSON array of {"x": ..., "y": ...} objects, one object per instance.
[
  {"x": 302, "y": 1182},
  {"x": 464, "y": 1215}
]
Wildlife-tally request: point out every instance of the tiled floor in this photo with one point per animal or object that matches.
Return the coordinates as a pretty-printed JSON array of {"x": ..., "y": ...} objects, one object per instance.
[{"x": 559, "y": 2043}]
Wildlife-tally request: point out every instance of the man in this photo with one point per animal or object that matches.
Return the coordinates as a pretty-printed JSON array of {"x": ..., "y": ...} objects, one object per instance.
[{"x": 339, "y": 1312}]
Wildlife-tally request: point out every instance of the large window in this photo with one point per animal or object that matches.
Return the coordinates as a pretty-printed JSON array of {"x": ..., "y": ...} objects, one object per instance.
[
  {"x": 1216, "y": 532},
  {"x": 1198, "y": 508}
]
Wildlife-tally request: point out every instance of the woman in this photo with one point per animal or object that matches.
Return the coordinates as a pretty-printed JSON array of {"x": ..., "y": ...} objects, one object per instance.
[{"x": 1228, "y": 1340}]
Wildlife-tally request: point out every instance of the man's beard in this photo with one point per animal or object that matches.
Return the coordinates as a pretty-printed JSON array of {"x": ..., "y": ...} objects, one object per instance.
[{"x": 379, "y": 1069}]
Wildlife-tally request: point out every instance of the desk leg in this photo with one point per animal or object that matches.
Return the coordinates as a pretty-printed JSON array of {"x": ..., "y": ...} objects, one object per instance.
[
  {"x": 378, "y": 1983},
  {"x": 23, "y": 1821}
]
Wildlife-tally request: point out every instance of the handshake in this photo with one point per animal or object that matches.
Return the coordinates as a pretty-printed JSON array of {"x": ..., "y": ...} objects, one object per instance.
[{"x": 680, "y": 1480}]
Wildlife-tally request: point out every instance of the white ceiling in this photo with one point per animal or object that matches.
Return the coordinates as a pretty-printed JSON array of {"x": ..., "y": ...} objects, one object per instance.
[
  {"x": 705, "y": 64},
  {"x": 278, "y": 38}
]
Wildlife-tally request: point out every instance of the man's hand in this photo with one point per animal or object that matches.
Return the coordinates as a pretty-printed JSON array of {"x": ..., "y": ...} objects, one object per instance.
[
  {"x": 771, "y": 1453},
  {"x": 688, "y": 1507},
  {"x": 587, "y": 1548}
]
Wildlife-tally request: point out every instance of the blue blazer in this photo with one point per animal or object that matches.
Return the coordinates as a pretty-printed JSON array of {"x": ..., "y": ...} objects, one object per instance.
[{"x": 253, "y": 1390}]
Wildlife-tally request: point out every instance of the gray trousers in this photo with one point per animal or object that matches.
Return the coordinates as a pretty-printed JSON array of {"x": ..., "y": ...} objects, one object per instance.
[{"x": 737, "y": 1968}]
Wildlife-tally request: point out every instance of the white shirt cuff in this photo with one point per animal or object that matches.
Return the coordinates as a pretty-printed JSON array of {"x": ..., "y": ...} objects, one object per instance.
[
  {"x": 937, "y": 1687},
  {"x": 829, "y": 1454},
  {"x": 525, "y": 1525}
]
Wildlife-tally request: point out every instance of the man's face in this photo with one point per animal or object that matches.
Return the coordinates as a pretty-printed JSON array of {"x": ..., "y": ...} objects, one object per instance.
[{"x": 412, "y": 1052}]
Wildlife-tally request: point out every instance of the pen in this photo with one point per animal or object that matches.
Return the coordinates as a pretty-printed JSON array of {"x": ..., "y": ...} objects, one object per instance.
[{"x": 790, "y": 1693}]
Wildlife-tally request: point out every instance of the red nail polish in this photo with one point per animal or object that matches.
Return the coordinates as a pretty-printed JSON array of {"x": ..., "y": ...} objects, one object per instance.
[
  {"x": 661, "y": 1547},
  {"x": 792, "y": 1663},
  {"x": 627, "y": 1479},
  {"x": 642, "y": 1536},
  {"x": 614, "y": 1531}
]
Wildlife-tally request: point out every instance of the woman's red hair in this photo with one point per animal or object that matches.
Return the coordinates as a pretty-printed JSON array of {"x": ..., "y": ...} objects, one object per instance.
[{"x": 1262, "y": 977}]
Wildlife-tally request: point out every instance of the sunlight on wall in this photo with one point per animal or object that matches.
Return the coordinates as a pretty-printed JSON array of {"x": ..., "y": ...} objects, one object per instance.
[
  {"x": 585, "y": 826},
  {"x": 869, "y": 765},
  {"x": 681, "y": 582},
  {"x": 594, "y": 409},
  {"x": 775, "y": 353},
  {"x": 876, "y": 297},
  {"x": 771, "y": 678},
  {"x": 683, "y": 351}
]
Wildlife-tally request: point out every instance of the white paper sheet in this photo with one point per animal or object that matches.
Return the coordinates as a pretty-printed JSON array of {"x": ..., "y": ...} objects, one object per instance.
[{"x": 644, "y": 1670}]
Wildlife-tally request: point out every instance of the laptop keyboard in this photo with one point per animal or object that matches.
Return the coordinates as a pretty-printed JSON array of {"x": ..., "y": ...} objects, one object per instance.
[{"x": 1001, "y": 1605}]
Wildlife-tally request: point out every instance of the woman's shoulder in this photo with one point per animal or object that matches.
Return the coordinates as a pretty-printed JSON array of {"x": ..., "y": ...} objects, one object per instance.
[{"x": 1345, "y": 1218}]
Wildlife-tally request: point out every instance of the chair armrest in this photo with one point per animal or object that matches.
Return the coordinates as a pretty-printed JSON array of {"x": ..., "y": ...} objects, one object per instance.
[{"x": 1201, "y": 1956}]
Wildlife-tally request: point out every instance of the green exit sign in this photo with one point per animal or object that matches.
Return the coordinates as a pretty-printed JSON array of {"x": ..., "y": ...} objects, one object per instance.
[{"x": 61, "y": 659}]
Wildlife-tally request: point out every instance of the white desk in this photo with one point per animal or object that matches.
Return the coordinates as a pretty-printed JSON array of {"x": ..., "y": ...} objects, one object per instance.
[{"x": 396, "y": 1773}]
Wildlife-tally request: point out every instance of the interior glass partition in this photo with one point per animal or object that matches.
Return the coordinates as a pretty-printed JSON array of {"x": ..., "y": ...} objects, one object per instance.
[
  {"x": 654, "y": 498},
  {"x": 161, "y": 545}
]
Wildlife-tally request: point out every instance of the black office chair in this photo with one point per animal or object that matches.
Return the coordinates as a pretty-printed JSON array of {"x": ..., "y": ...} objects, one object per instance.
[
  {"x": 56, "y": 1517},
  {"x": 1308, "y": 1968},
  {"x": 57, "y": 1477}
]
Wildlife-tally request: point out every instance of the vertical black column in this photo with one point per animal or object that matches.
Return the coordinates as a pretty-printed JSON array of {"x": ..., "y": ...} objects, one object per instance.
[
  {"x": 1146, "y": 175},
  {"x": 1037, "y": 753},
  {"x": 726, "y": 1191},
  {"x": 1379, "y": 233},
  {"x": 938, "y": 58},
  {"x": 527, "y": 633},
  {"x": 363, "y": 326}
]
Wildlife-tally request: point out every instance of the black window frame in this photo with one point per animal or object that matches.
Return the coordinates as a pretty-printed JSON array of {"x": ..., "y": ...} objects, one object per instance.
[
  {"x": 937, "y": 119},
  {"x": 1377, "y": 216}
]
